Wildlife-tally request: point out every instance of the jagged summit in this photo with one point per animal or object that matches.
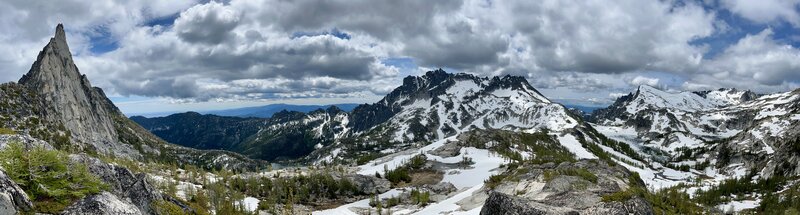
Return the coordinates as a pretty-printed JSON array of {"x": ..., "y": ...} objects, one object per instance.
[
  {"x": 651, "y": 97},
  {"x": 55, "y": 103},
  {"x": 437, "y": 87},
  {"x": 57, "y": 57},
  {"x": 728, "y": 96},
  {"x": 83, "y": 110}
]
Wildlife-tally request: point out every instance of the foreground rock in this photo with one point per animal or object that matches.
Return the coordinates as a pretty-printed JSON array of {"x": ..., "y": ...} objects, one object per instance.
[
  {"x": 103, "y": 203},
  {"x": 13, "y": 199},
  {"x": 128, "y": 187},
  {"x": 582, "y": 187}
]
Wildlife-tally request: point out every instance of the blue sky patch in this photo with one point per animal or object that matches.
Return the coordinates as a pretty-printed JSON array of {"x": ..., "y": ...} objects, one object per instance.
[
  {"x": 101, "y": 41},
  {"x": 333, "y": 32},
  {"x": 163, "y": 21}
]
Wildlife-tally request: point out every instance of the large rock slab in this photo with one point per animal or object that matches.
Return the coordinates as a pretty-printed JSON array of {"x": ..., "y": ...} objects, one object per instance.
[
  {"x": 103, "y": 203},
  {"x": 129, "y": 187},
  {"x": 13, "y": 199}
]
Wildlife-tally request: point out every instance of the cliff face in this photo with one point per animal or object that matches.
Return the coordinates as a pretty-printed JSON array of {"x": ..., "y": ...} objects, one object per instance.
[{"x": 70, "y": 99}]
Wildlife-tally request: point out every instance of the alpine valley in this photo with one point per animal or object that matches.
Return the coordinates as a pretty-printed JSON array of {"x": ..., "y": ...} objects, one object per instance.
[{"x": 440, "y": 143}]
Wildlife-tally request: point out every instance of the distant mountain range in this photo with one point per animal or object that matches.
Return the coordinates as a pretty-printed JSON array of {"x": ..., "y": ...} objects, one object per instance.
[{"x": 267, "y": 111}]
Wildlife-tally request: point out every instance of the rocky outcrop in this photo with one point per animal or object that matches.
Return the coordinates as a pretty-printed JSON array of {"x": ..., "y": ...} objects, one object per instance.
[
  {"x": 369, "y": 184},
  {"x": 13, "y": 199},
  {"x": 26, "y": 140},
  {"x": 130, "y": 188},
  {"x": 499, "y": 203},
  {"x": 103, "y": 203},
  {"x": 567, "y": 188}
]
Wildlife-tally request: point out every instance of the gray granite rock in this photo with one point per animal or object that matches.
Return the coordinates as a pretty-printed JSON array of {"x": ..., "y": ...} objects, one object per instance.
[
  {"x": 71, "y": 100},
  {"x": 103, "y": 203},
  {"x": 369, "y": 184},
  {"x": 129, "y": 187},
  {"x": 13, "y": 199}
]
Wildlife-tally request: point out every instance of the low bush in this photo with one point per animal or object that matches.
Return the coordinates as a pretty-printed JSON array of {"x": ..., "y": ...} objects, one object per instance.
[{"x": 49, "y": 178}]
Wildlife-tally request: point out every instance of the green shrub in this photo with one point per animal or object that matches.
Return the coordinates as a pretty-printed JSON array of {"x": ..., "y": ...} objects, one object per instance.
[
  {"x": 730, "y": 187},
  {"x": 624, "y": 195},
  {"x": 494, "y": 180},
  {"x": 364, "y": 159},
  {"x": 48, "y": 176},
  {"x": 7, "y": 131},
  {"x": 398, "y": 175},
  {"x": 582, "y": 173},
  {"x": 672, "y": 201},
  {"x": 417, "y": 162},
  {"x": 420, "y": 198},
  {"x": 666, "y": 201},
  {"x": 162, "y": 207}
]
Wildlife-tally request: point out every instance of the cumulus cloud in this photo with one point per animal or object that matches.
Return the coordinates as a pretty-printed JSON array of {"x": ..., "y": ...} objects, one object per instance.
[
  {"x": 641, "y": 80},
  {"x": 208, "y": 23},
  {"x": 277, "y": 49},
  {"x": 616, "y": 95},
  {"x": 755, "y": 61},
  {"x": 598, "y": 37},
  {"x": 766, "y": 11}
]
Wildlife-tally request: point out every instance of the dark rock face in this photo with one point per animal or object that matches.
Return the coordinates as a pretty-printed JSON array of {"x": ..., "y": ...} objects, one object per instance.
[{"x": 13, "y": 199}]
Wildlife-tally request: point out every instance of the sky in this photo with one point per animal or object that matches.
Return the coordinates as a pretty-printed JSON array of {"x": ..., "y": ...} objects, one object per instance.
[{"x": 169, "y": 56}]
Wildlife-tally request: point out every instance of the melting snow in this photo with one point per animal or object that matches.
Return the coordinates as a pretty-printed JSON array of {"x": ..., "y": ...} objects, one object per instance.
[
  {"x": 250, "y": 203},
  {"x": 739, "y": 205},
  {"x": 575, "y": 147}
]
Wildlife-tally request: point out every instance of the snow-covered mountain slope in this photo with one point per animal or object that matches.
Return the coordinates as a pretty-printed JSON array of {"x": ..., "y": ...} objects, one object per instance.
[
  {"x": 438, "y": 105},
  {"x": 731, "y": 134},
  {"x": 669, "y": 121},
  {"x": 724, "y": 97},
  {"x": 461, "y": 102},
  {"x": 468, "y": 128}
]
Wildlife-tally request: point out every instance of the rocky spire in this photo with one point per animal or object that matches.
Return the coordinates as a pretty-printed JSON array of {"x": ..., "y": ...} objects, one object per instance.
[
  {"x": 57, "y": 54},
  {"x": 72, "y": 101}
]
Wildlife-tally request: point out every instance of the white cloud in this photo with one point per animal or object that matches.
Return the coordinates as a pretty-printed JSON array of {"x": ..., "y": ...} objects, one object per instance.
[
  {"x": 766, "y": 11},
  {"x": 270, "y": 48},
  {"x": 755, "y": 62},
  {"x": 641, "y": 80},
  {"x": 208, "y": 23},
  {"x": 616, "y": 95}
]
